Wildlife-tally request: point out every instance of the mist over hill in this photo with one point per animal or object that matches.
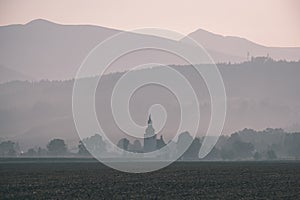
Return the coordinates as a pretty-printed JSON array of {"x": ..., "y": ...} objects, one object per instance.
[{"x": 260, "y": 95}]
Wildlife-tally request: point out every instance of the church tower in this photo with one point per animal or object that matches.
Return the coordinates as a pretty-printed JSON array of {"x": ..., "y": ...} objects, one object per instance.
[{"x": 150, "y": 137}]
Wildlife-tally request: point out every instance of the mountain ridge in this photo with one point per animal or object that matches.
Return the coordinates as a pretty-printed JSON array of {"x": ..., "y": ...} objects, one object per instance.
[
  {"x": 47, "y": 50},
  {"x": 242, "y": 47}
]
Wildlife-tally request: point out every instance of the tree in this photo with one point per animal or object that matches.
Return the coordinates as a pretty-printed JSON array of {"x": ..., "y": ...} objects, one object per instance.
[
  {"x": 271, "y": 155},
  {"x": 214, "y": 154},
  {"x": 227, "y": 154},
  {"x": 243, "y": 149},
  {"x": 123, "y": 144},
  {"x": 292, "y": 143},
  {"x": 57, "y": 147},
  {"x": 135, "y": 147},
  {"x": 183, "y": 142},
  {"x": 257, "y": 156},
  {"x": 95, "y": 144},
  {"x": 235, "y": 148},
  {"x": 192, "y": 152},
  {"x": 41, "y": 152},
  {"x": 31, "y": 152},
  {"x": 82, "y": 149},
  {"x": 7, "y": 148}
]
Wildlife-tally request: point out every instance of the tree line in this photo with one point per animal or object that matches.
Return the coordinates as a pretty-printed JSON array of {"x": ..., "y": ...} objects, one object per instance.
[{"x": 248, "y": 144}]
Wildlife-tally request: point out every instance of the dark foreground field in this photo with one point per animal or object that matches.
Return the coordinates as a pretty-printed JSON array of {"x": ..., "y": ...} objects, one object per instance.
[{"x": 71, "y": 179}]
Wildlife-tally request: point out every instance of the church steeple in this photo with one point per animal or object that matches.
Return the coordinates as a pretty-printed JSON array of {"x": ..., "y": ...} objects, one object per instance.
[
  {"x": 150, "y": 120},
  {"x": 150, "y": 137},
  {"x": 150, "y": 130}
]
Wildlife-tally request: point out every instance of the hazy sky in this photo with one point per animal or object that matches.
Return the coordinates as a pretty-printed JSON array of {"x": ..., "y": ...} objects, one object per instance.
[{"x": 268, "y": 22}]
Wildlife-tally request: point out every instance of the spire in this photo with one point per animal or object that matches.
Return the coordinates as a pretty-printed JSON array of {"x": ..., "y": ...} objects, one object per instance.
[{"x": 149, "y": 120}]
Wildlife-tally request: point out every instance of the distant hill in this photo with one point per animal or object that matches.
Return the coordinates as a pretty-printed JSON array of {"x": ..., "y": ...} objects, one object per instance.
[
  {"x": 52, "y": 51},
  {"x": 259, "y": 95},
  {"x": 46, "y": 50},
  {"x": 240, "y": 47}
]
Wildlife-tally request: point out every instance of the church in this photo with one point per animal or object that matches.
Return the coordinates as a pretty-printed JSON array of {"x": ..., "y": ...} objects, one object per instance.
[{"x": 150, "y": 141}]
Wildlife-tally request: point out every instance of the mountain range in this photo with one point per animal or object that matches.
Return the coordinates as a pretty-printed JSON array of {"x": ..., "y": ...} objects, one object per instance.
[{"x": 42, "y": 49}]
